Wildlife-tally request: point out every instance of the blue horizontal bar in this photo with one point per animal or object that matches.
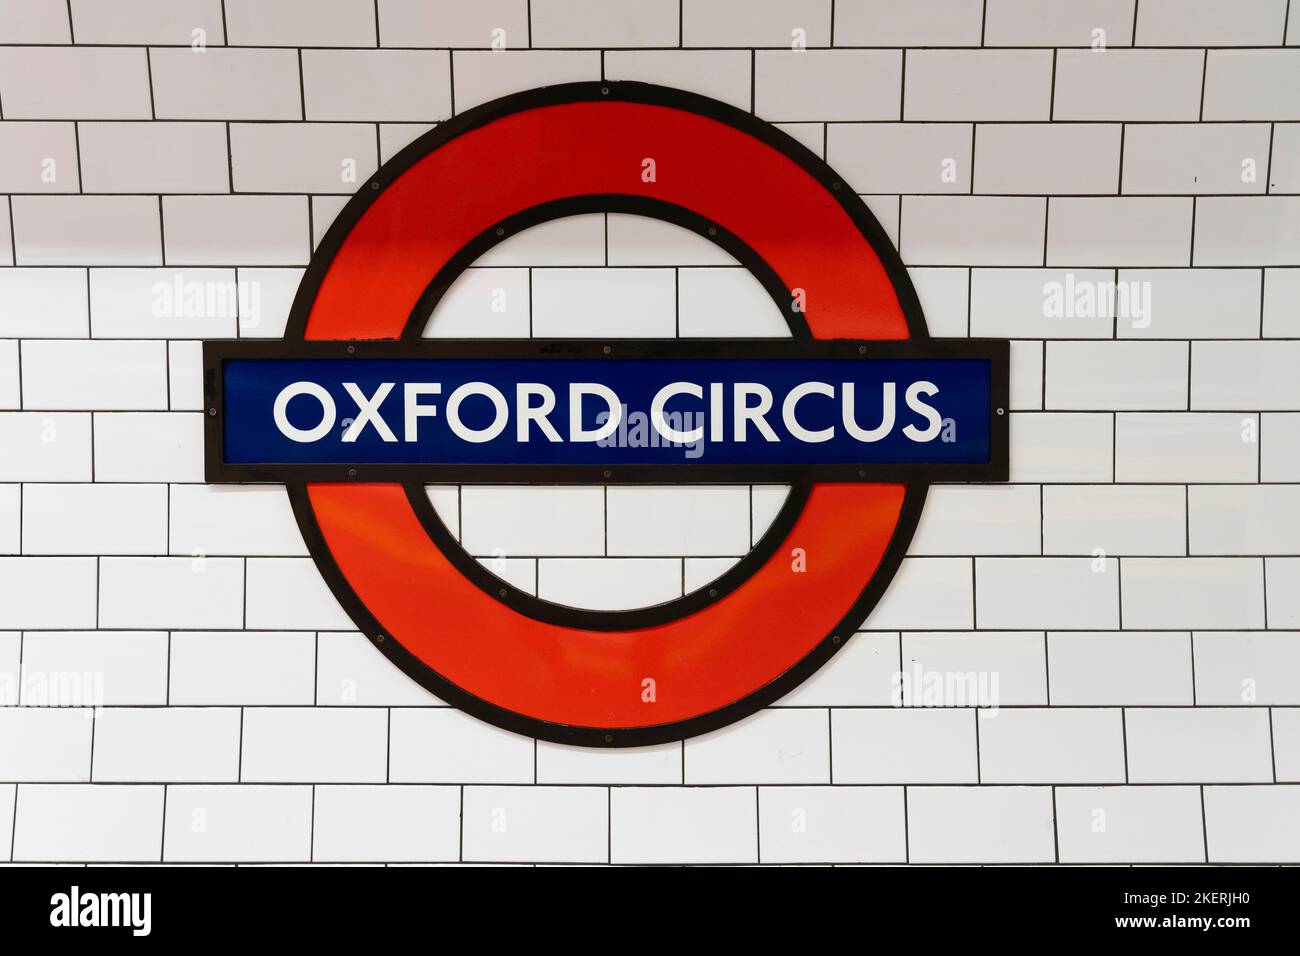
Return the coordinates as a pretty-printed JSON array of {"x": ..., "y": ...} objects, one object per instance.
[{"x": 468, "y": 411}]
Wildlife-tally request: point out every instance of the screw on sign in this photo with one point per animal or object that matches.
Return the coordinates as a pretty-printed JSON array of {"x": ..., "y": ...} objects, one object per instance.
[{"x": 858, "y": 411}]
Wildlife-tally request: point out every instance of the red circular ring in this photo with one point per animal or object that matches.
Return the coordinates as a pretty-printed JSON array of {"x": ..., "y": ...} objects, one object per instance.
[{"x": 642, "y": 685}]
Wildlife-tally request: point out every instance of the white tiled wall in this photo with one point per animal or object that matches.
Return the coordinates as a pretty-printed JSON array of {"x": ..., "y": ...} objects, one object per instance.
[{"x": 1114, "y": 636}]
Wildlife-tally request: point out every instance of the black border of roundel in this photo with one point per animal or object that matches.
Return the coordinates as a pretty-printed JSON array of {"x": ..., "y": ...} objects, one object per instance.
[{"x": 916, "y": 486}]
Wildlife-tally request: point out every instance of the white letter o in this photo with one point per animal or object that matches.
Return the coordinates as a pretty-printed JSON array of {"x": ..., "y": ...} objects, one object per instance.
[
  {"x": 477, "y": 436},
  {"x": 287, "y": 428}
]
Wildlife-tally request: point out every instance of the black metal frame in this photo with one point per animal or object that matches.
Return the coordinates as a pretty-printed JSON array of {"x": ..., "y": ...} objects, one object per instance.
[
  {"x": 917, "y": 478},
  {"x": 996, "y": 352}
]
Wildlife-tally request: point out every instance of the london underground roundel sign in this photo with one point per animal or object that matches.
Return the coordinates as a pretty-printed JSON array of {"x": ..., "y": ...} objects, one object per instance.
[{"x": 858, "y": 411}]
